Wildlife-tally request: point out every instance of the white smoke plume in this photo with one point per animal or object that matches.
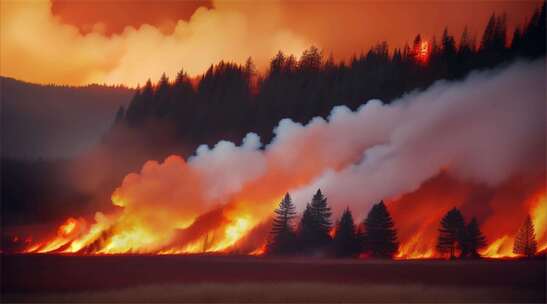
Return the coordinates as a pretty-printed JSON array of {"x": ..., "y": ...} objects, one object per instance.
[{"x": 484, "y": 129}]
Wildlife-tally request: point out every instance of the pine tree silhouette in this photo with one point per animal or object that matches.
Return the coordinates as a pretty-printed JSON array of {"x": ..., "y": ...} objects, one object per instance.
[
  {"x": 282, "y": 239},
  {"x": 380, "y": 236},
  {"x": 315, "y": 224},
  {"x": 525, "y": 241},
  {"x": 322, "y": 214},
  {"x": 474, "y": 239},
  {"x": 346, "y": 242},
  {"x": 231, "y": 101},
  {"x": 452, "y": 233}
]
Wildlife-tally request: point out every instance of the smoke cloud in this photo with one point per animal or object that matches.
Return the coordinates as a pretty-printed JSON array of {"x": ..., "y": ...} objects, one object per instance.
[
  {"x": 485, "y": 129},
  {"x": 32, "y": 37},
  {"x": 74, "y": 42}
]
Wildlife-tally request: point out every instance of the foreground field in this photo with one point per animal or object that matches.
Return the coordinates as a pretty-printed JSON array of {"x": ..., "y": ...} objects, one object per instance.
[{"x": 51, "y": 278}]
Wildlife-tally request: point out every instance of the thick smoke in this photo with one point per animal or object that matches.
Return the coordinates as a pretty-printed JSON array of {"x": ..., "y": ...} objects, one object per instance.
[
  {"x": 36, "y": 46},
  {"x": 485, "y": 129}
]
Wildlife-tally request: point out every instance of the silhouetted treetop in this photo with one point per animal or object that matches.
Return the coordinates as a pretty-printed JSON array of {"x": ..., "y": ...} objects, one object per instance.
[
  {"x": 230, "y": 100},
  {"x": 380, "y": 236}
]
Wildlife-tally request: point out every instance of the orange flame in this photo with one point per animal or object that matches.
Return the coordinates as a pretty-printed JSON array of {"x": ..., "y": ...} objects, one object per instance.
[
  {"x": 422, "y": 52},
  {"x": 503, "y": 246}
]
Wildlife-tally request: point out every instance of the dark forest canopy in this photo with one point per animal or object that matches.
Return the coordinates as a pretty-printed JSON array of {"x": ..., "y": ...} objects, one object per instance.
[{"x": 230, "y": 100}]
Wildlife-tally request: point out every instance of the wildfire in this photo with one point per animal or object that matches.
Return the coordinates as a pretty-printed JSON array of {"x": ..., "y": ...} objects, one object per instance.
[
  {"x": 74, "y": 236},
  {"x": 503, "y": 246},
  {"x": 422, "y": 52},
  {"x": 232, "y": 233},
  {"x": 414, "y": 249},
  {"x": 259, "y": 251},
  {"x": 68, "y": 227},
  {"x": 66, "y": 233}
]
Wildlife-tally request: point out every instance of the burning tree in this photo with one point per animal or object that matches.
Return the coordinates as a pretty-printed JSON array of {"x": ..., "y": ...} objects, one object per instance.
[
  {"x": 346, "y": 241},
  {"x": 452, "y": 233},
  {"x": 315, "y": 224},
  {"x": 474, "y": 239},
  {"x": 525, "y": 241},
  {"x": 283, "y": 237},
  {"x": 380, "y": 237}
]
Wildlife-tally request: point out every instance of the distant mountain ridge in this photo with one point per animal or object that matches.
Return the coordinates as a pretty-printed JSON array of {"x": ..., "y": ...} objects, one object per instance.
[{"x": 54, "y": 121}]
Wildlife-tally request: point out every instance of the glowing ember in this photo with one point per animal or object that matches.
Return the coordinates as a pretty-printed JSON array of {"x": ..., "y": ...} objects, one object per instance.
[
  {"x": 260, "y": 250},
  {"x": 422, "y": 52},
  {"x": 68, "y": 227}
]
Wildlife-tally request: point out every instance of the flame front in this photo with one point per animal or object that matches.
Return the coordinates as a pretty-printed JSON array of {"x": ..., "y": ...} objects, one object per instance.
[{"x": 103, "y": 237}]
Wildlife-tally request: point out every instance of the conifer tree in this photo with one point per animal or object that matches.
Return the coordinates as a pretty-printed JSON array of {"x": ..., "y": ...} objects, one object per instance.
[
  {"x": 282, "y": 238},
  {"x": 380, "y": 236},
  {"x": 475, "y": 240},
  {"x": 322, "y": 214},
  {"x": 346, "y": 241},
  {"x": 452, "y": 233},
  {"x": 525, "y": 241},
  {"x": 315, "y": 224}
]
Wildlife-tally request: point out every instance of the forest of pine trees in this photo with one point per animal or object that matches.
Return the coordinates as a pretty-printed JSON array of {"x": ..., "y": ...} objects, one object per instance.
[
  {"x": 233, "y": 99},
  {"x": 315, "y": 235},
  {"x": 376, "y": 236}
]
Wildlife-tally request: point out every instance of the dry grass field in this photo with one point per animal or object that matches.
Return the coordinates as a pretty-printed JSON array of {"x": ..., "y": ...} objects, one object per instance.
[{"x": 209, "y": 279}]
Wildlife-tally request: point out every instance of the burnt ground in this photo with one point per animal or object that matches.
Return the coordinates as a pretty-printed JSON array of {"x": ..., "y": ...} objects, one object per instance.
[{"x": 54, "y": 278}]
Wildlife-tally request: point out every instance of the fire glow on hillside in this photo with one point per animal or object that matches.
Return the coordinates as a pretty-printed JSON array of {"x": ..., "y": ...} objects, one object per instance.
[{"x": 488, "y": 161}]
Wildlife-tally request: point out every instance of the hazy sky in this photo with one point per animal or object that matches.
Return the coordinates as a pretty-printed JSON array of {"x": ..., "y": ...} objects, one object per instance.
[{"x": 127, "y": 42}]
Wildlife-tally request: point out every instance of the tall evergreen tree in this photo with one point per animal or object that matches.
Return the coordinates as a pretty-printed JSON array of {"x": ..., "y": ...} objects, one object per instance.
[
  {"x": 231, "y": 105},
  {"x": 322, "y": 213},
  {"x": 315, "y": 225},
  {"x": 380, "y": 236},
  {"x": 452, "y": 233},
  {"x": 346, "y": 241},
  {"x": 282, "y": 239},
  {"x": 525, "y": 241},
  {"x": 474, "y": 239}
]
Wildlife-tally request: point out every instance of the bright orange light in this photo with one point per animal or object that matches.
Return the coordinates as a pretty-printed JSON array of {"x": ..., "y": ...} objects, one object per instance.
[
  {"x": 503, "y": 246},
  {"x": 260, "y": 250},
  {"x": 68, "y": 227},
  {"x": 332, "y": 232},
  {"x": 422, "y": 52}
]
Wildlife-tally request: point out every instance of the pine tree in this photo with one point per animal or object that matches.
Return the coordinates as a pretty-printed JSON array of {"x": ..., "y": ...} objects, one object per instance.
[
  {"x": 451, "y": 233},
  {"x": 346, "y": 242},
  {"x": 525, "y": 241},
  {"x": 380, "y": 237},
  {"x": 474, "y": 238},
  {"x": 315, "y": 224},
  {"x": 322, "y": 214},
  {"x": 282, "y": 239}
]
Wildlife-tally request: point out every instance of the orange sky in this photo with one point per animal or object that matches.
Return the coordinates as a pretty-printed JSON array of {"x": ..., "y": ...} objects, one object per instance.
[{"x": 79, "y": 42}]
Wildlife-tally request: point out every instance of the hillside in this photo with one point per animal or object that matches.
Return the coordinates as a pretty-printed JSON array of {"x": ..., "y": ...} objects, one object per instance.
[{"x": 47, "y": 121}]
